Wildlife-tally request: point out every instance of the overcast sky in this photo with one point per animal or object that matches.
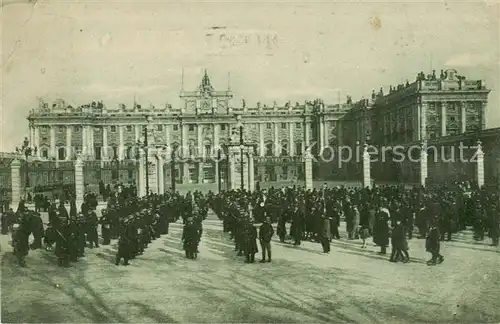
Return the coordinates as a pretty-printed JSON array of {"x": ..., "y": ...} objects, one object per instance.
[{"x": 112, "y": 50}]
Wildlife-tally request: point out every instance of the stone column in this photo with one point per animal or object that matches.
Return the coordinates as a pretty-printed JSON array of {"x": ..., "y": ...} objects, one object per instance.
[
  {"x": 308, "y": 170},
  {"x": 138, "y": 131},
  {"x": 463, "y": 117},
  {"x": 291, "y": 146},
  {"x": 141, "y": 182},
  {"x": 199, "y": 129},
  {"x": 216, "y": 136},
  {"x": 262, "y": 147},
  {"x": 84, "y": 141},
  {"x": 251, "y": 172},
  {"x": 36, "y": 140},
  {"x": 104, "y": 142},
  {"x": 68, "y": 143},
  {"x": 79, "y": 182},
  {"x": 53, "y": 152},
  {"x": 277, "y": 145},
  {"x": 15, "y": 174},
  {"x": 367, "y": 179},
  {"x": 200, "y": 172},
  {"x": 185, "y": 173},
  {"x": 423, "y": 163},
  {"x": 184, "y": 129},
  {"x": 423, "y": 121},
  {"x": 443, "y": 118},
  {"x": 480, "y": 165},
  {"x": 216, "y": 169},
  {"x": 167, "y": 135},
  {"x": 307, "y": 129},
  {"x": 121, "y": 148},
  {"x": 482, "y": 114},
  {"x": 91, "y": 142},
  {"x": 321, "y": 134}
]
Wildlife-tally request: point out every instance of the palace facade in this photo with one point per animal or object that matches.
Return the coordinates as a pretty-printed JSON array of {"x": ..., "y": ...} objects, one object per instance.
[{"x": 204, "y": 123}]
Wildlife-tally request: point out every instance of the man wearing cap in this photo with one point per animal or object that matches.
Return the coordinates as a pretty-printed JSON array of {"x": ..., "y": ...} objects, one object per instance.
[
  {"x": 105, "y": 227},
  {"x": 432, "y": 243},
  {"x": 250, "y": 241}
]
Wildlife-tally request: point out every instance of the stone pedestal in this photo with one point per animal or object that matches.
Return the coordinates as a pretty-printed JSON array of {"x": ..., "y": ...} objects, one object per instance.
[
  {"x": 480, "y": 165},
  {"x": 235, "y": 165},
  {"x": 308, "y": 170},
  {"x": 79, "y": 182},
  {"x": 423, "y": 164},
  {"x": 367, "y": 179},
  {"x": 15, "y": 169}
]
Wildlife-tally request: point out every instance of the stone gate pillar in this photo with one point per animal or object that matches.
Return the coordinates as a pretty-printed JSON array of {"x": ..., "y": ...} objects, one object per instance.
[
  {"x": 308, "y": 170},
  {"x": 141, "y": 181},
  {"x": 251, "y": 172},
  {"x": 161, "y": 176},
  {"x": 15, "y": 171},
  {"x": 423, "y": 164},
  {"x": 367, "y": 179},
  {"x": 79, "y": 182},
  {"x": 480, "y": 165}
]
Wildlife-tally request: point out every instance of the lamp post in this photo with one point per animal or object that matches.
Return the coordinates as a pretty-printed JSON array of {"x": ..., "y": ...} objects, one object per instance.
[
  {"x": 240, "y": 127},
  {"x": 27, "y": 151},
  {"x": 144, "y": 145}
]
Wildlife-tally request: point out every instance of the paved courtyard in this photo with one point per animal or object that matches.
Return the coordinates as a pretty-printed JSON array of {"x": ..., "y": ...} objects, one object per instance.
[{"x": 300, "y": 285}]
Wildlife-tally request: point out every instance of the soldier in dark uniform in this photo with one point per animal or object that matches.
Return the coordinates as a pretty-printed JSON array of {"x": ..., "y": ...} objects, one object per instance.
[
  {"x": 81, "y": 231},
  {"x": 381, "y": 230},
  {"x": 105, "y": 227},
  {"x": 92, "y": 223},
  {"x": 266, "y": 233},
  {"x": 281, "y": 229},
  {"x": 432, "y": 244},
  {"x": 250, "y": 237},
  {"x": 73, "y": 248},
  {"x": 62, "y": 244},
  {"x": 399, "y": 243},
  {"x": 124, "y": 244},
  {"x": 36, "y": 224},
  {"x": 189, "y": 238}
]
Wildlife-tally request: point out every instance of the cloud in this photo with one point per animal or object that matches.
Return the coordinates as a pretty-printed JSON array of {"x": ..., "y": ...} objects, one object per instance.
[{"x": 469, "y": 60}]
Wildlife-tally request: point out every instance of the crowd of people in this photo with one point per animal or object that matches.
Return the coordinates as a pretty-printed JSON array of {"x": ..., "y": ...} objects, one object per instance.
[{"x": 389, "y": 214}]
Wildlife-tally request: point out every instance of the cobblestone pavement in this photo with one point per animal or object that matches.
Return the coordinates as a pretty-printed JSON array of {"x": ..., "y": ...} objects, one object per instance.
[{"x": 302, "y": 284}]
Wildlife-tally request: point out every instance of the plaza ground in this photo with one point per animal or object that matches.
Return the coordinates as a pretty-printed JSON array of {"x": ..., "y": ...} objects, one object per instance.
[{"x": 302, "y": 284}]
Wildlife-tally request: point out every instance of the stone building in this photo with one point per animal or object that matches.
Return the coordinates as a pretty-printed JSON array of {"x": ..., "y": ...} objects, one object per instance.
[
  {"x": 196, "y": 131},
  {"x": 442, "y": 111}
]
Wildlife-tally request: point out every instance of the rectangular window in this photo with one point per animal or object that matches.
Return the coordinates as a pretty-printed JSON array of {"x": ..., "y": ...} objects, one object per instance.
[
  {"x": 97, "y": 152},
  {"x": 130, "y": 174},
  {"x": 298, "y": 148},
  {"x": 159, "y": 128},
  {"x": 129, "y": 128},
  {"x": 191, "y": 128},
  {"x": 113, "y": 129},
  {"x": 268, "y": 125},
  {"x": 298, "y": 125},
  {"x": 283, "y": 125},
  {"x": 176, "y": 127},
  {"x": 115, "y": 152},
  {"x": 223, "y": 127}
]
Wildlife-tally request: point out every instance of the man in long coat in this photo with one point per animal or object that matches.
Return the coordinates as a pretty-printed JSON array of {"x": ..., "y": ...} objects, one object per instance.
[
  {"x": 381, "y": 230},
  {"x": 250, "y": 237}
]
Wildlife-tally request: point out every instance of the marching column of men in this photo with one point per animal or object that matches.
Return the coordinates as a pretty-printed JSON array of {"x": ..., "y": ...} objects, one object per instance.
[{"x": 134, "y": 222}]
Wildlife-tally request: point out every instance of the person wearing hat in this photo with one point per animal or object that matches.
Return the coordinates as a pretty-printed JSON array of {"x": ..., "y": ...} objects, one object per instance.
[
  {"x": 432, "y": 243},
  {"x": 105, "y": 227},
  {"x": 381, "y": 229},
  {"x": 266, "y": 232},
  {"x": 250, "y": 241},
  {"x": 49, "y": 237}
]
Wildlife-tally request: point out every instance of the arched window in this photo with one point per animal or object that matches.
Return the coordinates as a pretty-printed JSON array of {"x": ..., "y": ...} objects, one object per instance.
[
  {"x": 298, "y": 148},
  {"x": 61, "y": 153},
  {"x": 130, "y": 152}
]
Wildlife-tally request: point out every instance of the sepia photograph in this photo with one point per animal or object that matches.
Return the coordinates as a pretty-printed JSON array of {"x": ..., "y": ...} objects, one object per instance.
[{"x": 240, "y": 161}]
